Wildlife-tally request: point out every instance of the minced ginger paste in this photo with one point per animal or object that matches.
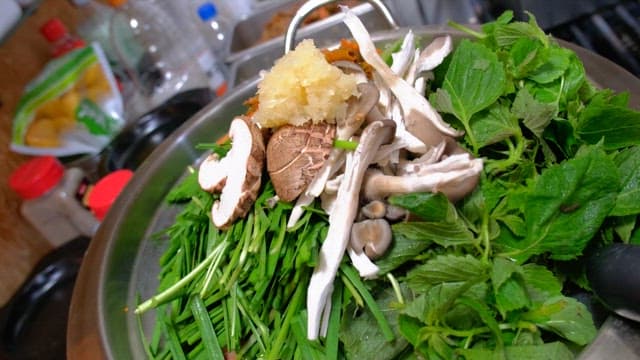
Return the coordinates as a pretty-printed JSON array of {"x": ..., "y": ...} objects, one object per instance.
[{"x": 302, "y": 86}]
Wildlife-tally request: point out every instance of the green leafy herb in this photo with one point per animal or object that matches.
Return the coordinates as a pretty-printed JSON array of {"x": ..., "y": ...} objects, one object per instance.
[{"x": 474, "y": 80}]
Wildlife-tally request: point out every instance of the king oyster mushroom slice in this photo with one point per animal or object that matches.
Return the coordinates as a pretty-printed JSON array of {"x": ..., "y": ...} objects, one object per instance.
[
  {"x": 402, "y": 58},
  {"x": 340, "y": 221},
  {"x": 295, "y": 155},
  {"x": 237, "y": 175},
  {"x": 357, "y": 110},
  {"x": 420, "y": 117}
]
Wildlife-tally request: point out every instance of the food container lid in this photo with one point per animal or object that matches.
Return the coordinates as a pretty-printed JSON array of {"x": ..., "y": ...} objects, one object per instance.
[
  {"x": 207, "y": 11},
  {"x": 53, "y": 30},
  {"x": 106, "y": 191},
  {"x": 116, "y": 3},
  {"x": 37, "y": 176}
]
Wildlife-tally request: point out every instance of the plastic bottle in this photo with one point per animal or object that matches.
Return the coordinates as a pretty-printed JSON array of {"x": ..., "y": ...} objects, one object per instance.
[
  {"x": 160, "y": 55},
  {"x": 94, "y": 26},
  {"x": 53, "y": 199},
  {"x": 215, "y": 28},
  {"x": 209, "y": 58},
  {"x": 61, "y": 40}
]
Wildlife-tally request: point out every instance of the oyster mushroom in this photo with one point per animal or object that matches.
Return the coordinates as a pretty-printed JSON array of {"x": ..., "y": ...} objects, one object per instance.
[
  {"x": 373, "y": 236},
  {"x": 237, "y": 175},
  {"x": 420, "y": 117},
  {"x": 375, "y": 209},
  {"x": 455, "y": 176},
  {"x": 434, "y": 54},
  {"x": 395, "y": 213},
  {"x": 340, "y": 220},
  {"x": 402, "y": 58},
  {"x": 295, "y": 154}
]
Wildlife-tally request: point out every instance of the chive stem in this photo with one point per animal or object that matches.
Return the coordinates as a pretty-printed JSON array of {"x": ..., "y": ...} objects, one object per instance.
[
  {"x": 370, "y": 301},
  {"x": 173, "y": 290},
  {"x": 209, "y": 338},
  {"x": 345, "y": 144},
  {"x": 396, "y": 287}
]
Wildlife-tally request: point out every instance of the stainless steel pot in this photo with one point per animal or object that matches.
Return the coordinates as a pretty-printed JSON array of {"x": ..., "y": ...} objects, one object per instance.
[{"x": 121, "y": 262}]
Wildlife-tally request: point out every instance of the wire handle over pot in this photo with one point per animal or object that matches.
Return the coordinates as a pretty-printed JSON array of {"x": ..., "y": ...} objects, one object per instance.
[{"x": 311, "y": 5}]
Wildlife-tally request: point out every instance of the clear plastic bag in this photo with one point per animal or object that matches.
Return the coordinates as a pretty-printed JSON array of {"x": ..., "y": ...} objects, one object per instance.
[{"x": 73, "y": 107}]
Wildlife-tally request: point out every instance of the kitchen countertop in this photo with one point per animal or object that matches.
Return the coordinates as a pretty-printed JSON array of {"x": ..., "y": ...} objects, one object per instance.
[{"x": 22, "y": 56}]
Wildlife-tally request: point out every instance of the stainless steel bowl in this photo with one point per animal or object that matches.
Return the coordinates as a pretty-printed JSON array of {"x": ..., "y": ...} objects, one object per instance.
[{"x": 121, "y": 262}]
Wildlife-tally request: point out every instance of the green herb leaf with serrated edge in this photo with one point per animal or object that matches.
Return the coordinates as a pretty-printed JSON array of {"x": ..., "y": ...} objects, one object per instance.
[
  {"x": 540, "y": 282},
  {"x": 508, "y": 286},
  {"x": 427, "y": 206},
  {"x": 628, "y": 200},
  {"x": 403, "y": 249},
  {"x": 535, "y": 115},
  {"x": 508, "y": 34},
  {"x": 608, "y": 119},
  {"x": 566, "y": 317},
  {"x": 494, "y": 124},
  {"x": 624, "y": 227},
  {"x": 441, "y": 233},
  {"x": 447, "y": 268},
  {"x": 474, "y": 80},
  {"x": 485, "y": 314},
  {"x": 553, "y": 350},
  {"x": 524, "y": 56},
  {"x": 566, "y": 206},
  {"x": 557, "y": 62}
]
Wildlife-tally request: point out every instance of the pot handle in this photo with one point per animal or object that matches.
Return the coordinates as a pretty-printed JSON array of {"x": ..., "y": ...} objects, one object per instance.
[{"x": 311, "y": 5}]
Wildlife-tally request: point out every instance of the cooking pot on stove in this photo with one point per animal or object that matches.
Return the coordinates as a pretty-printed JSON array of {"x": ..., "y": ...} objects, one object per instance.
[{"x": 122, "y": 260}]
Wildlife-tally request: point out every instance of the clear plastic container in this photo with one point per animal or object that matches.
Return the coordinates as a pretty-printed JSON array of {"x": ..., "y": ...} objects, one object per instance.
[
  {"x": 215, "y": 28},
  {"x": 161, "y": 55},
  {"x": 52, "y": 199},
  {"x": 94, "y": 25}
]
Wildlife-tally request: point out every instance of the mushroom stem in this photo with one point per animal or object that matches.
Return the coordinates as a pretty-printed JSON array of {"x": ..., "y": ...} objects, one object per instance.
[
  {"x": 461, "y": 174},
  {"x": 340, "y": 221}
]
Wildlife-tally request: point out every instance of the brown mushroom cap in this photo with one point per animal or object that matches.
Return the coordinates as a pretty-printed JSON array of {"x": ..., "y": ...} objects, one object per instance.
[
  {"x": 372, "y": 235},
  {"x": 295, "y": 154},
  {"x": 375, "y": 209}
]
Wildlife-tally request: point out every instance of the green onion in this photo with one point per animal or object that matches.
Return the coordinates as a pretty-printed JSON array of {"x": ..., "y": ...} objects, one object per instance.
[
  {"x": 209, "y": 338},
  {"x": 345, "y": 144},
  {"x": 354, "y": 278}
]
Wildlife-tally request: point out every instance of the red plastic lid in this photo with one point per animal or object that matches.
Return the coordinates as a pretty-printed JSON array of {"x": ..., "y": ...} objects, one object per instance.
[
  {"x": 37, "y": 176},
  {"x": 106, "y": 190},
  {"x": 53, "y": 30}
]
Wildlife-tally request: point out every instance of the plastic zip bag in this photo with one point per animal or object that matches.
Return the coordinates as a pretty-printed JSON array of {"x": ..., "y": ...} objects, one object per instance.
[{"x": 73, "y": 107}]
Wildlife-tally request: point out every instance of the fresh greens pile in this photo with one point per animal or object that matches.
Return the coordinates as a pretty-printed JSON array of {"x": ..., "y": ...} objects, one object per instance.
[{"x": 488, "y": 277}]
